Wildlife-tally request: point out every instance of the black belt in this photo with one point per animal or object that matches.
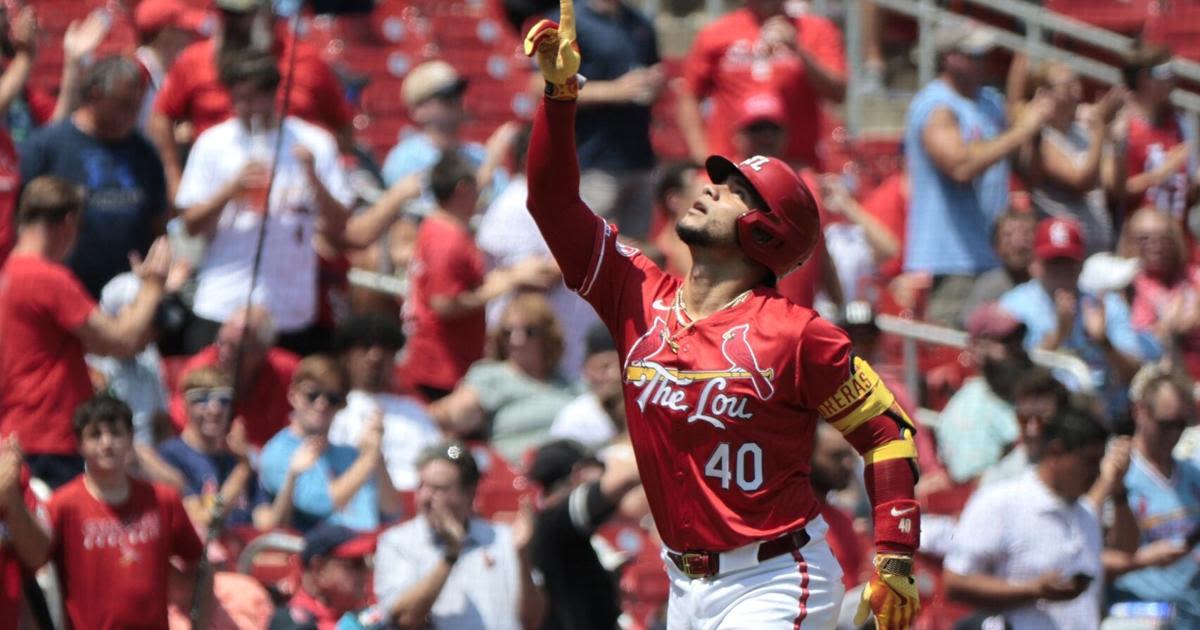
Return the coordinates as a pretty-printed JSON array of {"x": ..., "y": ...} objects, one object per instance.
[{"x": 706, "y": 564}]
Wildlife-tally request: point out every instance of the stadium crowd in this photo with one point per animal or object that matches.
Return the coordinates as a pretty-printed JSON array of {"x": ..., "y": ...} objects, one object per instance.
[{"x": 185, "y": 367}]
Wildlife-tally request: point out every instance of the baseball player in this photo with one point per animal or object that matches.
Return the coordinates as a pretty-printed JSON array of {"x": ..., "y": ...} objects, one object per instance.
[{"x": 724, "y": 382}]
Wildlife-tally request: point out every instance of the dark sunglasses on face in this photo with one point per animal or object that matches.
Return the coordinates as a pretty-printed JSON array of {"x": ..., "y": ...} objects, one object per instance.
[
  {"x": 333, "y": 399},
  {"x": 1172, "y": 424},
  {"x": 206, "y": 395}
]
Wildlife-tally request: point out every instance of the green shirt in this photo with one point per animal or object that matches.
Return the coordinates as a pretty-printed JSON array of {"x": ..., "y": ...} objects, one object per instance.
[{"x": 520, "y": 409}]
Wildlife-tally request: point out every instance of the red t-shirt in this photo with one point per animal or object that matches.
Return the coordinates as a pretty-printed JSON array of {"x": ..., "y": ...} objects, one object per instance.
[
  {"x": 112, "y": 560},
  {"x": 10, "y": 185},
  {"x": 1147, "y": 147},
  {"x": 11, "y": 568},
  {"x": 446, "y": 262},
  {"x": 43, "y": 377},
  {"x": 728, "y": 63},
  {"x": 264, "y": 409},
  {"x": 888, "y": 203},
  {"x": 192, "y": 90}
]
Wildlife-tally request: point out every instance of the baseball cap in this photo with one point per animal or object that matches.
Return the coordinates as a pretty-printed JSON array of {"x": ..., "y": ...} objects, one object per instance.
[
  {"x": 966, "y": 37},
  {"x": 151, "y": 16},
  {"x": 336, "y": 541},
  {"x": 762, "y": 107},
  {"x": 1058, "y": 238},
  {"x": 430, "y": 79},
  {"x": 554, "y": 461},
  {"x": 991, "y": 321}
]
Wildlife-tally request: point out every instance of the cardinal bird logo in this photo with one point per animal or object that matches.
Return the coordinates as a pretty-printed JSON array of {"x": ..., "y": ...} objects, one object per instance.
[
  {"x": 735, "y": 347},
  {"x": 648, "y": 345}
]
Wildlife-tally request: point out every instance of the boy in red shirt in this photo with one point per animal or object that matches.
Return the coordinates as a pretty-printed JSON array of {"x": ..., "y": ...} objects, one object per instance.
[
  {"x": 444, "y": 315},
  {"x": 114, "y": 536}
]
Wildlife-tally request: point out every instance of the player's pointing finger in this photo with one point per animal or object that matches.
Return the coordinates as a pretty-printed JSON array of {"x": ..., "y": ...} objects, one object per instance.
[{"x": 566, "y": 21}]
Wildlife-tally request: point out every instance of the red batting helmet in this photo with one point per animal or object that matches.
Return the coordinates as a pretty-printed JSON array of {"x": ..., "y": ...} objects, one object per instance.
[{"x": 783, "y": 234}]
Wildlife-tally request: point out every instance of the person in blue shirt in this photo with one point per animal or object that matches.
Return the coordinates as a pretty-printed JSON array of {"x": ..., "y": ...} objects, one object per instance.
[
  {"x": 957, "y": 146},
  {"x": 305, "y": 480},
  {"x": 612, "y": 130},
  {"x": 1164, "y": 494},
  {"x": 210, "y": 455},
  {"x": 1058, "y": 316}
]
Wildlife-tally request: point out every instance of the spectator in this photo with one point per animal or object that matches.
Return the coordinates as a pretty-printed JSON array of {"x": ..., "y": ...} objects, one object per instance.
[
  {"x": 223, "y": 196},
  {"x": 367, "y": 346},
  {"x": 756, "y": 48},
  {"x": 1166, "y": 290},
  {"x": 48, "y": 322},
  {"x": 578, "y": 496},
  {"x": 164, "y": 29},
  {"x": 586, "y": 418},
  {"x": 211, "y": 454},
  {"x": 978, "y": 422},
  {"x": 194, "y": 93},
  {"x": 855, "y": 238},
  {"x": 1012, "y": 240},
  {"x": 18, "y": 41},
  {"x": 433, "y": 93},
  {"x": 306, "y": 480},
  {"x": 1166, "y": 493},
  {"x": 1058, "y": 316},
  {"x": 1037, "y": 397},
  {"x": 513, "y": 397},
  {"x": 957, "y": 146},
  {"x": 117, "y": 540},
  {"x": 833, "y": 468},
  {"x": 1067, "y": 174},
  {"x": 887, "y": 203},
  {"x": 509, "y": 239},
  {"x": 620, "y": 59},
  {"x": 1159, "y": 146},
  {"x": 449, "y": 569},
  {"x": 1029, "y": 547},
  {"x": 99, "y": 147},
  {"x": 26, "y": 545},
  {"x": 334, "y": 581},
  {"x": 444, "y": 311},
  {"x": 264, "y": 373}
]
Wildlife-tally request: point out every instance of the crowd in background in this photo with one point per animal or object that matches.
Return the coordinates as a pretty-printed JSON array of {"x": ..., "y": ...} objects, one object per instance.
[{"x": 184, "y": 363}]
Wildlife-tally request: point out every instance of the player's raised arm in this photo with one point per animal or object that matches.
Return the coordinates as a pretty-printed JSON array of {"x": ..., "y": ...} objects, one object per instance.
[{"x": 569, "y": 227}]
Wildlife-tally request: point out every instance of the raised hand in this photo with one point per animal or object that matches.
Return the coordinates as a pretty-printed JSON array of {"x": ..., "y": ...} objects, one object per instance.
[{"x": 557, "y": 53}]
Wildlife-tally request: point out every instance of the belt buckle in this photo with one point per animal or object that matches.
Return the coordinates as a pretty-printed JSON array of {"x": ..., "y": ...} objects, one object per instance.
[{"x": 696, "y": 564}]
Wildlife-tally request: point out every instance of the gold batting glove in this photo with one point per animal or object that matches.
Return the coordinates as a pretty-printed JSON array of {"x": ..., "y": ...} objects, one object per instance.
[
  {"x": 891, "y": 594},
  {"x": 557, "y": 53}
]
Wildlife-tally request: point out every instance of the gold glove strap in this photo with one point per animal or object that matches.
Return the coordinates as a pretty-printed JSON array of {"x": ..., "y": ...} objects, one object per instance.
[
  {"x": 564, "y": 92},
  {"x": 896, "y": 565}
]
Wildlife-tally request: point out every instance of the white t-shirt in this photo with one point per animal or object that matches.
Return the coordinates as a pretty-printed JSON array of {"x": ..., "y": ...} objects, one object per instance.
[
  {"x": 508, "y": 235},
  {"x": 1017, "y": 530},
  {"x": 407, "y": 430},
  {"x": 584, "y": 421},
  {"x": 287, "y": 280}
]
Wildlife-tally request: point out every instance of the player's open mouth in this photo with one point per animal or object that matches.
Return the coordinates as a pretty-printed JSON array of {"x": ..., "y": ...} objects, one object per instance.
[{"x": 698, "y": 207}]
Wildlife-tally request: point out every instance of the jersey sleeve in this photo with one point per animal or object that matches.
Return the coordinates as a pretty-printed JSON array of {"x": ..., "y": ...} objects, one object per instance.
[
  {"x": 700, "y": 65},
  {"x": 66, "y": 301},
  {"x": 822, "y": 38}
]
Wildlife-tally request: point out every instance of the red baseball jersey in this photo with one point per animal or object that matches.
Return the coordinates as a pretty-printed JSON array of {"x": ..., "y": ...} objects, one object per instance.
[{"x": 721, "y": 411}]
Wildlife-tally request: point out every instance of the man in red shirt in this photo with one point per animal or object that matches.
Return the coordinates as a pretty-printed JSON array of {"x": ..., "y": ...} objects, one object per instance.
[
  {"x": 48, "y": 321},
  {"x": 262, "y": 384},
  {"x": 725, "y": 382},
  {"x": 24, "y": 544},
  {"x": 756, "y": 48},
  {"x": 1160, "y": 161},
  {"x": 114, "y": 536},
  {"x": 444, "y": 313},
  {"x": 192, "y": 91}
]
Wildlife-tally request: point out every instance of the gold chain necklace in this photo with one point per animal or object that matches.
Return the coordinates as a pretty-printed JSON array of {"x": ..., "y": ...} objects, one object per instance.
[{"x": 680, "y": 310}]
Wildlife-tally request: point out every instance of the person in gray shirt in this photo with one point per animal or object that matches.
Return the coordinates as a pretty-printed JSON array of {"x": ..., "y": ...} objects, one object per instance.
[{"x": 1012, "y": 238}]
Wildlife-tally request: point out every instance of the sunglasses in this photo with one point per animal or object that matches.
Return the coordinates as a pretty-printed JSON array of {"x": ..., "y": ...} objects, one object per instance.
[
  {"x": 528, "y": 331},
  {"x": 1172, "y": 424},
  {"x": 206, "y": 395},
  {"x": 331, "y": 398}
]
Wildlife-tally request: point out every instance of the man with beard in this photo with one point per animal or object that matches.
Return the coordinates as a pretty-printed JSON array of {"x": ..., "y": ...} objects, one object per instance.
[
  {"x": 979, "y": 423},
  {"x": 1058, "y": 316}
]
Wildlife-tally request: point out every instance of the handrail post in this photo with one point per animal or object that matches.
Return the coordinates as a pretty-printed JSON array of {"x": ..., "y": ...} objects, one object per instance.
[
  {"x": 926, "y": 61},
  {"x": 854, "y": 45},
  {"x": 912, "y": 370}
]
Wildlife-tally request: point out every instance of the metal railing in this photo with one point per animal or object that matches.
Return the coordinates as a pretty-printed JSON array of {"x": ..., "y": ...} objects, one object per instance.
[{"x": 912, "y": 332}]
